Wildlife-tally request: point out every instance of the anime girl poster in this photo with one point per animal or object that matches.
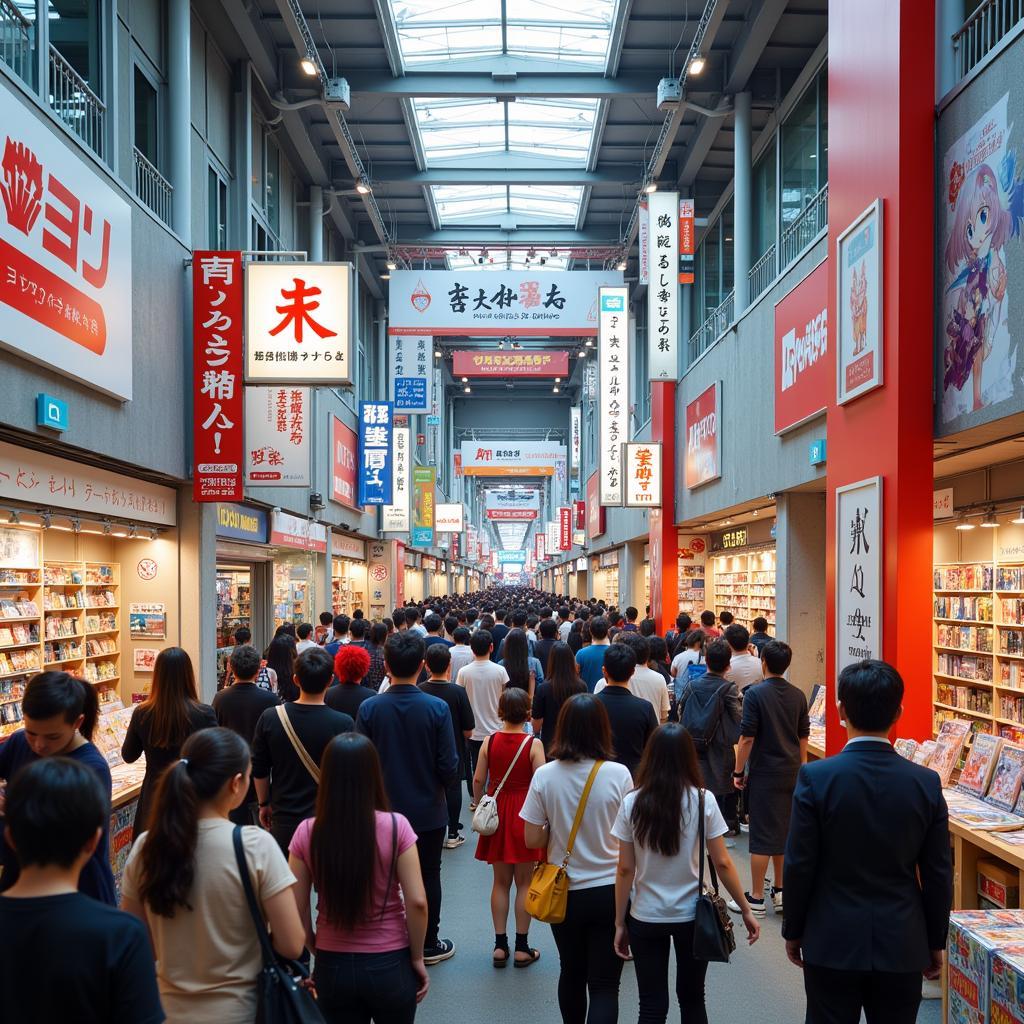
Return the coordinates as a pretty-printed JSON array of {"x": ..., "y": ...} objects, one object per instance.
[{"x": 983, "y": 202}]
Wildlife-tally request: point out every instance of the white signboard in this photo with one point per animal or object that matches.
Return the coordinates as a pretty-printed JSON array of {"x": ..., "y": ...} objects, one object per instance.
[
  {"x": 512, "y": 498},
  {"x": 511, "y": 458},
  {"x": 343, "y": 546},
  {"x": 576, "y": 439},
  {"x": 472, "y": 547},
  {"x": 613, "y": 385},
  {"x": 65, "y": 257},
  {"x": 663, "y": 290},
  {"x": 411, "y": 373},
  {"x": 277, "y": 437},
  {"x": 642, "y": 468},
  {"x": 395, "y": 517},
  {"x": 942, "y": 504},
  {"x": 521, "y": 302},
  {"x": 449, "y": 518},
  {"x": 551, "y": 539},
  {"x": 644, "y": 230},
  {"x": 298, "y": 323},
  {"x": 858, "y": 572}
]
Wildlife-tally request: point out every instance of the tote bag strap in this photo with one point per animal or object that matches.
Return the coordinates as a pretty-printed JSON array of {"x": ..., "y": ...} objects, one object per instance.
[
  {"x": 297, "y": 746},
  {"x": 250, "y": 897},
  {"x": 578, "y": 820},
  {"x": 512, "y": 764}
]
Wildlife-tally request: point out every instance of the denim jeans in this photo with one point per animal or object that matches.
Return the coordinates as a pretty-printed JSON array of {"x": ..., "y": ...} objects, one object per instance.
[{"x": 354, "y": 988}]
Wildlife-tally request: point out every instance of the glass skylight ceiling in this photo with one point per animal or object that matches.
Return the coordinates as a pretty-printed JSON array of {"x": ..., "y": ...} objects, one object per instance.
[
  {"x": 550, "y": 204},
  {"x": 511, "y": 535},
  {"x": 506, "y": 259}
]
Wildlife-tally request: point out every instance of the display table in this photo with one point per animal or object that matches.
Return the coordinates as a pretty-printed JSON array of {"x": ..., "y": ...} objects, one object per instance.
[
  {"x": 970, "y": 846},
  {"x": 814, "y": 751},
  {"x": 127, "y": 784}
]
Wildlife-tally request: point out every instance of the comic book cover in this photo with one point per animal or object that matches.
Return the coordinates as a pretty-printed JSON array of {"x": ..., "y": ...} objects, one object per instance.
[
  {"x": 948, "y": 747},
  {"x": 1004, "y": 789},
  {"x": 980, "y": 763},
  {"x": 906, "y": 748},
  {"x": 924, "y": 753}
]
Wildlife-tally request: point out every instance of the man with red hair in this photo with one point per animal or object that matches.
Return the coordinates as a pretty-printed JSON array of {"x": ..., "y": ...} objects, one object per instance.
[{"x": 351, "y": 664}]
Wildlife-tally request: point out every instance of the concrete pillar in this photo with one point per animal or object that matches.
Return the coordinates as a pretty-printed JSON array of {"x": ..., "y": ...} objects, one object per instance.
[
  {"x": 631, "y": 575},
  {"x": 949, "y": 16},
  {"x": 316, "y": 223},
  {"x": 197, "y": 588},
  {"x": 742, "y": 202},
  {"x": 800, "y": 585},
  {"x": 179, "y": 115}
]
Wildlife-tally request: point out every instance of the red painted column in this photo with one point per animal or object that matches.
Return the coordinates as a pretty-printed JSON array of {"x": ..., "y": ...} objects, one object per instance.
[
  {"x": 881, "y": 75},
  {"x": 663, "y": 535}
]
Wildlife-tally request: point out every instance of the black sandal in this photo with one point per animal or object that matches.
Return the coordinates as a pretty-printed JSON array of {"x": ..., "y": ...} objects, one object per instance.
[
  {"x": 503, "y": 961},
  {"x": 534, "y": 957}
]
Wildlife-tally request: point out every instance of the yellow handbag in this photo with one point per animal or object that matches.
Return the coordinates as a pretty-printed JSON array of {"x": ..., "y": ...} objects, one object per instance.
[{"x": 548, "y": 894}]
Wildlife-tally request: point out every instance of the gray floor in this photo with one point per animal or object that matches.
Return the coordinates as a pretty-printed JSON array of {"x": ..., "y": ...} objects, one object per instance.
[{"x": 759, "y": 985}]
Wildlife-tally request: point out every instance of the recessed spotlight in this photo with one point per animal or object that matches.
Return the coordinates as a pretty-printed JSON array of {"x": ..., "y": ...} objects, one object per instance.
[
  {"x": 308, "y": 65},
  {"x": 465, "y": 380},
  {"x": 1019, "y": 520},
  {"x": 555, "y": 389},
  {"x": 697, "y": 64},
  {"x": 437, "y": 353},
  {"x": 385, "y": 277},
  {"x": 963, "y": 524},
  {"x": 621, "y": 265},
  {"x": 558, "y": 380},
  {"x": 651, "y": 186}
]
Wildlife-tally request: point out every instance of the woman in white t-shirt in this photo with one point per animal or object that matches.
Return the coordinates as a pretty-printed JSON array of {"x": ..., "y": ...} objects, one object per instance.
[
  {"x": 659, "y": 844},
  {"x": 589, "y": 966},
  {"x": 182, "y": 879}
]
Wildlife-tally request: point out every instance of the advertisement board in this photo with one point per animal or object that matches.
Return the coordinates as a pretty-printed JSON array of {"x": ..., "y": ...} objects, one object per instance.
[
  {"x": 642, "y": 462},
  {"x": 410, "y": 374},
  {"x": 703, "y": 438},
  {"x": 423, "y": 491},
  {"x": 663, "y": 292},
  {"x": 344, "y": 448},
  {"x": 374, "y": 472},
  {"x": 512, "y": 498},
  {"x": 277, "y": 437},
  {"x": 575, "y": 439},
  {"x": 449, "y": 518},
  {"x": 290, "y": 531},
  {"x": 565, "y": 528},
  {"x": 859, "y": 295},
  {"x": 595, "y": 510},
  {"x": 510, "y": 364},
  {"x": 803, "y": 361},
  {"x": 512, "y": 458},
  {"x": 511, "y": 515},
  {"x": 858, "y": 572},
  {"x": 613, "y": 385}
]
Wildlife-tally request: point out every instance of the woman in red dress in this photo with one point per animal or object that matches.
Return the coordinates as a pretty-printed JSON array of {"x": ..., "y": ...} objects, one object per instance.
[{"x": 506, "y": 850}]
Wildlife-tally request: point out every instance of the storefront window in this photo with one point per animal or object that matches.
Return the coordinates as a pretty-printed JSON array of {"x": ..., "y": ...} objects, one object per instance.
[
  {"x": 293, "y": 571},
  {"x": 804, "y": 148},
  {"x": 764, "y": 202},
  {"x": 348, "y": 586},
  {"x": 234, "y": 602},
  {"x": 74, "y": 27}
]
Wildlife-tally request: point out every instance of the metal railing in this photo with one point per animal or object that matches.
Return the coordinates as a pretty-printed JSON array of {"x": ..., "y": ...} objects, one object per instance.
[
  {"x": 762, "y": 273},
  {"x": 983, "y": 30},
  {"x": 712, "y": 329},
  {"x": 76, "y": 104},
  {"x": 152, "y": 187},
  {"x": 16, "y": 41},
  {"x": 812, "y": 219}
]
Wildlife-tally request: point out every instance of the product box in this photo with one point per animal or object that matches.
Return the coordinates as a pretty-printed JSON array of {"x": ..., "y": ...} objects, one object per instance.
[
  {"x": 974, "y": 936},
  {"x": 999, "y": 884},
  {"x": 1007, "y": 986}
]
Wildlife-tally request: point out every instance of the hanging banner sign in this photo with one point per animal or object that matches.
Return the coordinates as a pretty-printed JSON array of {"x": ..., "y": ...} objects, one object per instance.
[
  {"x": 663, "y": 292},
  {"x": 704, "y": 438},
  {"x": 512, "y": 458},
  {"x": 298, "y": 323},
  {"x": 512, "y": 497},
  {"x": 510, "y": 364},
  {"x": 858, "y": 572},
  {"x": 277, "y": 437},
  {"x": 539, "y": 541},
  {"x": 375, "y": 457},
  {"x": 803, "y": 364},
  {"x": 613, "y": 357},
  {"x": 294, "y": 532},
  {"x": 643, "y": 235},
  {"x": 411, "y": 366},
  {"x": 521, "y": 302},
  {"x": 511, "y": 515},
  {"x": 472, "y": 545},
  {"x": 565, "y": 528},
  {"x": 218, "y": 443},
  {"x": 596, "y": 523},
  {"x": 449, "y": 518},
  {"x": 395, "y": 517},
  {"x": 551, "y": 538},
  {"x": 576, "y": 439},
  {"x": 687, "y": 241},
  {"x": 423, "y": 485},
  {"x": 579, "y": 514},
  {"x": 344, "y": 446},
  {"x": 642, "y": 461}
]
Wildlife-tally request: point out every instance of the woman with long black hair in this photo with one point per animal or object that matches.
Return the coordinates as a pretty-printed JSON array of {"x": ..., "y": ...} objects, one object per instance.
[
  {"x": 279, "y": 660},
  {"x": 162, "y": 723},
  {"x": 561, "y": 681},
  {"x": 524, "y": 671},
  {"x": 182, "y": 879},
  {"x": 372, "y": 906},
  {"x": 658, "y": 828},
  {"x": 60, "y": 713}
]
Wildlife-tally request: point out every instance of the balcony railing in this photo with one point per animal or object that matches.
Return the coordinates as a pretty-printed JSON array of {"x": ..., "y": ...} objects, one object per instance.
[
  {"x": 152, "y": 188},
  {"x": 712, "y": 329},
  {"x": 983, "y": 30},
  {"x": 16, "y": 40},
  {"x": 76, "y": 104},
  {"x": 762, "y": 273},
  {"x": 813, "y": 218}
]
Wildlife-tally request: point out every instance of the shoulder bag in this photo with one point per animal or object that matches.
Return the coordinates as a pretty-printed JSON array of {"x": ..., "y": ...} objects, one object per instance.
[
  {"x": 280, "y": 997},
  {"x": 548, "y": 894},
  {"x": 714, "y": 939},
  {"x": 485, "y": 817},
  {"x": 300, "y": 750}
]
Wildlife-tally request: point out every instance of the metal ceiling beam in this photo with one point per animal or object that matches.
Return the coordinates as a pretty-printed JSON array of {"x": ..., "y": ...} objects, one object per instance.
[
  {"x": 474, "y": 237},
  {"x": 499, "y": 172},
  {"x": 461, "y": 85}
]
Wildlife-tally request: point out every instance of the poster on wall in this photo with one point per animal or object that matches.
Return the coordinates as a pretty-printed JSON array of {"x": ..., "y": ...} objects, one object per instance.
[
  {"x": 860, "y": 296},
  {"x": 344, "y": 445},
  {"x": 147, "y": 621},
  {"x": 981, "y": 206},
  {"x": 703, "y": 438},
  {"x": 858, "y": 572},
  {"x": 277, "y": 437},
  {"x": 395, "y": 517},
  {"x": 19, "y": 549},
  {"x": 375, "y": 455},
  {"x": 144, "y": 658},
  {"x": 423, "y": 489}
]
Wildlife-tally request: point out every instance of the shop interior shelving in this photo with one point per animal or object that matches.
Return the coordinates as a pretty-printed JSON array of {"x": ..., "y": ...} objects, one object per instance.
[
  {"x": 234, "y": 603},
  {"x": 744, "y": 584}
]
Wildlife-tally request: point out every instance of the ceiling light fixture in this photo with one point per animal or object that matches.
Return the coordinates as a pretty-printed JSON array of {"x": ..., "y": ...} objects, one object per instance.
[
  {"x": 621, "y": 265},
  {"x": 308, "y": 65},
  {"x": 651, "y": 186},
  {"x": 465, "y": 380},
  {"x": 467, "y": 389},
  {"x": 392, "y": 263},
  {"x": 558, "y": 380},
  {"x": 363, "y": 187},
  {"x": 989, "y": 522},
  {"x": 1019, "y": 519},
  {"x": 133, "y": 532},
  {"x": 385, "y": 277},
  {"x": 47, "y": 520},
  {"x": 437, "y": 353},
  {"x": 555, "y": 389},
  {"x": 76, "y": 525},
  {"x": 963, "y": 524},
  {"x": 697, "y": 64}
]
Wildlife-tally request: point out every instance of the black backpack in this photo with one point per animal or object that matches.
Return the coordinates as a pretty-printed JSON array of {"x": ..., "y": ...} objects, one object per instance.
[{"x": 701, "y": 721}]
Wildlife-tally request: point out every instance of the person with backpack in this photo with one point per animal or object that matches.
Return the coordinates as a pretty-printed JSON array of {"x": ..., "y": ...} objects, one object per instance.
[
  {"x": 689, "y": 661},
  {"x": 710, "y": 710}
]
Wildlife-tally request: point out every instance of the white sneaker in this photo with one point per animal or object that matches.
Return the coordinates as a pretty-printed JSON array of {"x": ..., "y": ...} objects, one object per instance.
[
  {"x": 454, "y": 842},
  {"x": 777, "y": 900},
  {"x": 756, "y": 906}
]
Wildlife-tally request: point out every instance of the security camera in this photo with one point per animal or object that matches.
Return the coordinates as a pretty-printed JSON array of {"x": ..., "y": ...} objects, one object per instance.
[{"x": 316, "y": 502}]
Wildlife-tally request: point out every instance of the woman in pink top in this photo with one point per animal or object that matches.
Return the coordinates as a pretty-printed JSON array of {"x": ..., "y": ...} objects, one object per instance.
[{"x": 369, "y": 946}]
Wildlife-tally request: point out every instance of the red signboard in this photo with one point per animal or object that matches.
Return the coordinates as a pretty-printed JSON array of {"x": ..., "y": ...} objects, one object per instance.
[
  {"x": 522, "y": 515},
  {"x": 344, "y": 445},
  {"x": 804, "y": 368},
  {"x": 687, "y": 240},
  {"x": 538, "y": 545},
  {"x": 217, "y": 372},
  {"x": 579, "y": 515},
  {"x": 595, "y": 510},
  {"x": 565, "y": 528},
  {"x": 510, "y": 364},
  {"x": 703, "y": 438}
]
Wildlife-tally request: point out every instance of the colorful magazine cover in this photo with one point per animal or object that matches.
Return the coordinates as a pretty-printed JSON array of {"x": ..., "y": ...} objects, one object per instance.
[
  {"x": 948, "y": 747},
  {"x": 1004, "y": 789},
  {"x": 906, "y": 748},
  {"x": 980, "y": 763},
  {"x": 816, "y": 712},
  {"x": 924, "y": 753}
]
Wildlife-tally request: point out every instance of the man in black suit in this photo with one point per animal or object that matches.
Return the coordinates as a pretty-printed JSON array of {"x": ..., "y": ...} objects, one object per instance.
[{"x": 868, "y": 877}]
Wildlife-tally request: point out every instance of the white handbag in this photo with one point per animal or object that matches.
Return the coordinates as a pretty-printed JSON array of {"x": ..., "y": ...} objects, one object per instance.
[{"x": 485, "y": 817}]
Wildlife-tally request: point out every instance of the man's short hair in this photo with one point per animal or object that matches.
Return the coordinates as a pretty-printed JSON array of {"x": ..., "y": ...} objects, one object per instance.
[
  {"x": 707, "y": 618},
  {"x": 519, "y": 618},
  {"x": 358, "y": 614},
  {"x": 245, "y": 662},
  {"x": 638, "y": 644},
  {"x": 341, "y": 624},
  {"x": 243, "y": 635},
  {"x": 620, "y": 663},
  {"x": 777, "y": 657},
  {"x": 326, "y": 618},
  {"x": 563, "y": 612},
  {"x": 412, "y": 615},
  {"x": 760, "y": 624},
  {"x": 631, "y": 614},
  {"x": 482, "y": 642},
  {"x": 304, "y": 630},
  {"x": 738, "y": 637},
  {"x": 460, "y": 636},
  {"x": 54, "y": 807},
  {"x": 432, "y": 622},
  {"x": 314, "y": 669},
  {"x": 718, "y": 656},
  {"x": 725, "y": 618},
  {"x": 548, "y": 629},
  {"x": 598, "y": 627},
  {"x": 438, "y": 658},
  {"x": 398, "y": 617},
  {"x": 871, "y": 693},
  {"x": 357, "y": 629},
  {"x": 648, "y": 627},
  {"x": 451, "y": 623},
  {"x": 683, "y": 622},
  {"x": 403, "y": 654}
]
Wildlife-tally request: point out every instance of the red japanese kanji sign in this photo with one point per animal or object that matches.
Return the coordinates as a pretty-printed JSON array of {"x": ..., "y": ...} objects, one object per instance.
[{"x": 565, "y": 528}]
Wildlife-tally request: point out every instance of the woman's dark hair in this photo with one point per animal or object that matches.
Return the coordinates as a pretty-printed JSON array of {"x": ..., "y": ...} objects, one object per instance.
[
  {"x": 669, "y": 767},
  {"x": 350, "y": 794},
  {"x": 514, "y": 705},
  {"x": 209, "y": 759},
  {"x": 280, "y": 656},
  {"x": 562, "y": 674},
  {"x": 172, "y": 696},
  {"x": 50, "y": 694},
  {"x": 658, "y": 649},
  {"x": 686, "y": 640},
  {"x": 285, "y": 629},
  {"x": 583, "y": 731},
  {"x": 515, "y": 658}
]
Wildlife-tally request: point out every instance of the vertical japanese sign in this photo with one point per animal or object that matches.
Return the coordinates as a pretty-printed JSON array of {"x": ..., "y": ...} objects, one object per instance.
[
  {"x": 565, "y": 528},
  {"x": 576, "y": 439},
  {"x": 423, "y": 481},
  {"x": 344, "y": 445},
  {"x": 395, "y": 517},
  {"x": 298, "y": 323},
  {"x": 411, "y": 365},
  {"x": 858, "y": 572},
  {"x": 704, "y": 438},
  {"x": 551, "y": 537},
  {"x": 472, "y": 545},
  {"x": 595, "y": 510},
  {"x": 687, "y": 241},
  {"x": 642, "y": 475},
  {"x": 277, "y": 437},
  {"x": 217, "y": 401},
  {"x": 579, "y": 515},
  {"x": 613, "y": 357},
  {"x": 539, "y": 540},
  {"x": 375, "y": 481},
  {"x": 663, "y": 291},
  {"x": 644, "y": 234}
]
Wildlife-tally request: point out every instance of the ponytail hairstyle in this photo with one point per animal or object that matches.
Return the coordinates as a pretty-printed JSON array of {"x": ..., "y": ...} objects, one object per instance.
[
  {"x": 50, "y": 694},
  {"x": 209, "y": 759}
]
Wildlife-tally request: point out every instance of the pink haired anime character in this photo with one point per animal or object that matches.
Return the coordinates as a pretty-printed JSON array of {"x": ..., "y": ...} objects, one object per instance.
[{"x": 988, "y": 212}]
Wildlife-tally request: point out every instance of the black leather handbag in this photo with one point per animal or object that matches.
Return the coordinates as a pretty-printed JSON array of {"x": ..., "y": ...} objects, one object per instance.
[
  {"x": 281, "y": 999},
  {"x": 714, "y": 939}
]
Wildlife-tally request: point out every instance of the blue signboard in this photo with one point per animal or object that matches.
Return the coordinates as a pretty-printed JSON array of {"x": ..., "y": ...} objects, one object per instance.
[
  {"x": 818, "y": 452},
  {"x": 242, "y": 523},
  {"x": 375, "y": 455},
  {"x": 410, "y": 393},
  {"x": 51, "y": 412}
]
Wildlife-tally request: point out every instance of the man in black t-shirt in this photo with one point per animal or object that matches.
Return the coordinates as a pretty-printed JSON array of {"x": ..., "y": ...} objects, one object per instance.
[
  {"x": 238, "y": 707},
  {"x": 285, "y": 784},
  {"x": 632, "y": 718},
  {"x": 439, "y": 663},
  {"x": 65, "y": 956}
]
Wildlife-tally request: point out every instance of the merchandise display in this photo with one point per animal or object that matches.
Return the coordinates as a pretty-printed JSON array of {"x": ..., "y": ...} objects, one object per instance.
[
  {"x": 291, "y": 586},
  {"x": 816, "y": 714},
  {"x": 234, "y": 602},
  {"x": 348, "y": 586},
  {"x": 979, "y": 971},
  {"x": 744, "y": 584}
]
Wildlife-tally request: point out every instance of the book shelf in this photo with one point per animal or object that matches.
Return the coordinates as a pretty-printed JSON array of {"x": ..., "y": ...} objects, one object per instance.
[{"x": 744, "y": 584}]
